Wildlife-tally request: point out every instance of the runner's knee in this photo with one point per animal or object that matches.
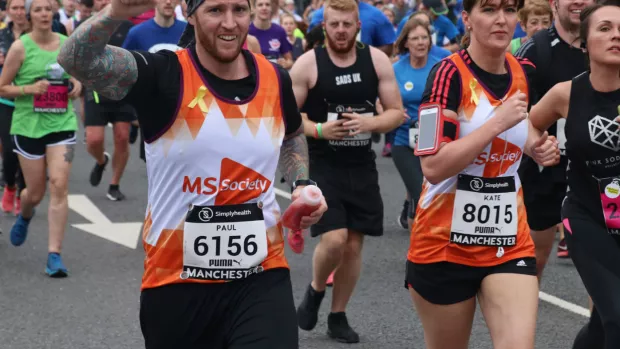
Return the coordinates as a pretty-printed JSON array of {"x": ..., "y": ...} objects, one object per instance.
[
  {"x": 121, "y": 139},
  {"x": 94, "y": 139},
  {"x": 334, "y": 242},
  {"x": 59, "y": 187}
]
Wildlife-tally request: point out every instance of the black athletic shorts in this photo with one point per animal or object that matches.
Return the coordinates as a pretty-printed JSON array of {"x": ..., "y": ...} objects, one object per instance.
[
  {"x": 448, "y": 283},
  {"x": 254, "y": 313},
  {"x": 543, "y": 203},
  {"x": 34, "y": 148},
  {"x": 353, "y": 198},
  {"x": 100, "y": 114}
]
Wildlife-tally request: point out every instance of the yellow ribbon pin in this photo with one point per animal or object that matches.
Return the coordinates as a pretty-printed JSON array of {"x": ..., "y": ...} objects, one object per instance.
[
  {"x": 474, "y": 95},
  {"x": 199, "y": 99}
]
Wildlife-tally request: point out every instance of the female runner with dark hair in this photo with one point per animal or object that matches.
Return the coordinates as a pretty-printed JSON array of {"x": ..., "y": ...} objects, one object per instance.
[
  {"x": 590, "y": 103},
  {"x": 470, "y": 238}
]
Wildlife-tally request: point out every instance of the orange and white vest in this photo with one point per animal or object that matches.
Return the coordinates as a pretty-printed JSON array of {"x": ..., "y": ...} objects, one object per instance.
[
  {"x": 477, "y": 217},
  {"x": 212, "y": 214}
]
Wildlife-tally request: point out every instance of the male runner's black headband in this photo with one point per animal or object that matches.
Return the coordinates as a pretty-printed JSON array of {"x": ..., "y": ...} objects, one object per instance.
[{"x": 189, "y": 37}]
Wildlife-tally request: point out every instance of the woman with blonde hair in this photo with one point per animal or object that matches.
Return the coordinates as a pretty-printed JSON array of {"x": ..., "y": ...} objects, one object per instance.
[
  {"x": 535, "y": 16},
  {"x": 43, "y": 126}
]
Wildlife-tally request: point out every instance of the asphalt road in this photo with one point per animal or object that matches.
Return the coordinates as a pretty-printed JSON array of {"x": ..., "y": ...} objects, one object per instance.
[{"x": 97, "y": 306}]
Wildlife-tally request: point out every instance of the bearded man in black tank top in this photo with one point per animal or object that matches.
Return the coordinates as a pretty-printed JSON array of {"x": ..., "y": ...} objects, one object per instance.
[{"x": 336, "y": 85}]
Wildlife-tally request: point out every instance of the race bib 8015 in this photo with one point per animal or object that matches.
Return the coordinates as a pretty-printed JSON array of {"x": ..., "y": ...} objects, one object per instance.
[{"x": 485, "y": 211}]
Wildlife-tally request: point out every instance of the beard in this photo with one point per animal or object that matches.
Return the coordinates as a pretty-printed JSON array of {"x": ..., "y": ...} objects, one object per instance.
[
  {"x": 209, "y": 42},
  {"x": 568, "y": 25},
  {"x": 333, "y": 44}
]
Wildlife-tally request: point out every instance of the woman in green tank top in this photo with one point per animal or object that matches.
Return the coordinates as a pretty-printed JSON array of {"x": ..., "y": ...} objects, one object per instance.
[
  {"x": 43, "y": 126},
  {"x": 535, "y": 16}
]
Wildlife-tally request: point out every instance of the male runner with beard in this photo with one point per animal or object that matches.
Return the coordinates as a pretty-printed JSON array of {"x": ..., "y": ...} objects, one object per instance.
[
  {"x": 337, "y": 85},
  {"x": 218, "y": 122}
]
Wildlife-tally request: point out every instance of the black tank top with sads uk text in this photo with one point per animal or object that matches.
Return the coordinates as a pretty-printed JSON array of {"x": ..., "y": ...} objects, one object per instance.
[{"x": 337, "y": 91}]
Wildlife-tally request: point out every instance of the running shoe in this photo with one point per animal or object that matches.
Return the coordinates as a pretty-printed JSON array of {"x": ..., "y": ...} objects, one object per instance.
[
  {"x": 97, "y": 172},
  {"x": 114, "y": 193},
  {"x": 19, "y": 231},
  {"x": 55, "y": 268},
  {"x": 563, "y": 249},
  {"x": 402, "y": 219},
  {"x": 338, "y": 328},
  {"x": 330, "y": 280},
  {"x": 8, "y": 199},
  {"x": 308, "y": 311}
]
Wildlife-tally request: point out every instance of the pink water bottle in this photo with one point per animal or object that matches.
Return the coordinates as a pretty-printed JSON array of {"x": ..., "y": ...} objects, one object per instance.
[{"x": 308, "y": 201}]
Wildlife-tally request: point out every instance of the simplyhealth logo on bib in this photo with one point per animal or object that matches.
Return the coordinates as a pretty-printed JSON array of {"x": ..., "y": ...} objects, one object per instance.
[
  {"x": 237, "y": 184},
  {"x": 499, "y": 157}
]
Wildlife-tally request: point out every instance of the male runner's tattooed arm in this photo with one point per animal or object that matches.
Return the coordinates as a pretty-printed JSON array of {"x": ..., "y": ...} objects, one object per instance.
[
  {"x": 294, "y": 156},
  {"x": 111, "y": 71}
]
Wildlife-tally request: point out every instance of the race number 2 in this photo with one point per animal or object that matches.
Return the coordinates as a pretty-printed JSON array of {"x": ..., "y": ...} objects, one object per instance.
[
  {"x": 224, "y": 242},
  {"x": 610, "y": 199},
  {"x": 485, "y": 211}
]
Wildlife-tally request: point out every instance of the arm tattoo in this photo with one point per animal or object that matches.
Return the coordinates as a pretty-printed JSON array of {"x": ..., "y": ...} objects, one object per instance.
[
  {"x": 70, "y": 153},
  {"x": 294, "y": 157},
  {"x": 111, "y": 71}
]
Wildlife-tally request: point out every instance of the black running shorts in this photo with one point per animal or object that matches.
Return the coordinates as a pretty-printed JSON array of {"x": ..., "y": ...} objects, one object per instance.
[
  {"x": 35, "y": 148},
  {"x": 254, "y": 313},
  {"x": 448, "y": 283},
  {"x": 353, "y": 199},
  {"x": 100, "y": 114},
  {"x": 543, "y": 203}
]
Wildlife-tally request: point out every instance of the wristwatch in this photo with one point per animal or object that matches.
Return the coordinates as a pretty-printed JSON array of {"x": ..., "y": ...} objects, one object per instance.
[{"x": 302, "y": 182}]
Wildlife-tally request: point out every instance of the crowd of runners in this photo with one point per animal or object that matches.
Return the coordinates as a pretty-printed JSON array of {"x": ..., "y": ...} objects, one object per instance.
[{"x": 478, "y": 101}]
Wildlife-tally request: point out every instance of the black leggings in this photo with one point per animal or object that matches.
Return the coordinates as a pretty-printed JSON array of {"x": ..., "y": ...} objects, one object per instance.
[
  {"x": 410, "y": 170},
  {"x": 10, "y": 164},
  {"x": 596, "y": 255}
]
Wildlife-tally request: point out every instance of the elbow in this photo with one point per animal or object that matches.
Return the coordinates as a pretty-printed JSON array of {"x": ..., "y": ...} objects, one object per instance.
[
  {"x": 432, "y": 177},
  {"x": 433, "y": 173},
  {"x": 66, "y": 59}
]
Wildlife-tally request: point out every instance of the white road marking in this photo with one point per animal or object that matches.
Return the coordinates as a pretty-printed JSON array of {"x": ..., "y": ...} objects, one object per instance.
[
  {"x": 558, "y": 302},
  {"x": 125, "y": 234}
]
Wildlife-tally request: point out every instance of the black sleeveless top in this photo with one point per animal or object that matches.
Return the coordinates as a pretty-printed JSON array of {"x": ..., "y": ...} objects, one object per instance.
[
  {"x": 592, "y": 147},
  {"x": 341, "y": 90}
]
